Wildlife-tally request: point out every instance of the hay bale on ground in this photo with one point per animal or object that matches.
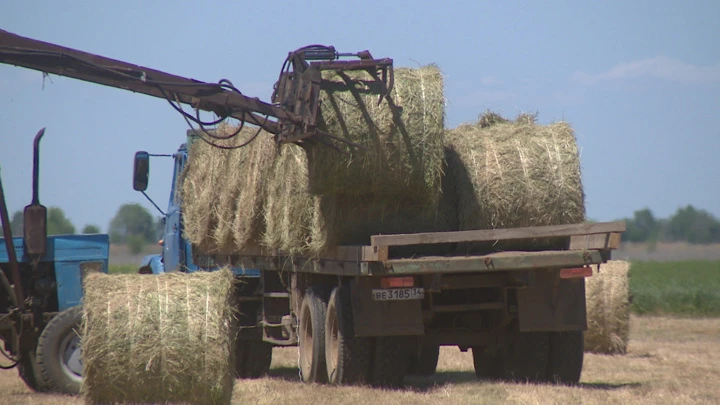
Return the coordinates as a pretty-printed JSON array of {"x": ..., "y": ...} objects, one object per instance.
[
  {"x": 608, "y": 309},
  {"x": 515, "y": 173},
  {"x": 401, "y": 139},
  {"x": 158, "y": 339},
  {"x": 223, "y": 190}
]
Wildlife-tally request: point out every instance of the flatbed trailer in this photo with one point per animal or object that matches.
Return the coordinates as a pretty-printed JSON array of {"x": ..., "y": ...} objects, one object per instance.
[{"x": 522, "y": 312}]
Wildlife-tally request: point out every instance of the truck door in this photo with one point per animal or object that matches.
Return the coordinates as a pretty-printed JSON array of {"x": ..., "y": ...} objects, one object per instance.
[{"x": 172, "y": 249}]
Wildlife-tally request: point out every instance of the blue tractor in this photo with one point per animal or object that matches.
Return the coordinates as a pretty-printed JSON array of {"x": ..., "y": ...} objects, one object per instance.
[
  {"x": 253, "y": 354},
  {"x": 41, "y": 296}
]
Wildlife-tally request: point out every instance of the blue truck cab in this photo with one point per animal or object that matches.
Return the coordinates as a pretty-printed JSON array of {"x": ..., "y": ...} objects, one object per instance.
[
  {"x": 177, "y": 252},
  {"x": 252, "y": 355}
]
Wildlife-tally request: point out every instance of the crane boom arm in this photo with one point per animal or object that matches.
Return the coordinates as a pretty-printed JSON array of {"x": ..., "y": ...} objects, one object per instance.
[{"x": 221, "y": 99}]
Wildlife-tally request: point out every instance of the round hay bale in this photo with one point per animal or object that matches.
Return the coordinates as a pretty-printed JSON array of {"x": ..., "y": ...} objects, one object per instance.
[
  {"x": 608, "y": 309},
  {"x": 223, "y": 190},
  {"x": 401, "y": 138},
  {"x": 289, "y": 206},
  {"x": 300, "y": 222},
  {"x": 198, "y": 195},
  {"x": 158, "y": 339},
  {"x": 515, "y": 173}
]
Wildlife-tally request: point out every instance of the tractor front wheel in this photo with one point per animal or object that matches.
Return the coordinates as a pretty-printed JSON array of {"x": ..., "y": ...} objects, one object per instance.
[{"x": 59, "y": 354}]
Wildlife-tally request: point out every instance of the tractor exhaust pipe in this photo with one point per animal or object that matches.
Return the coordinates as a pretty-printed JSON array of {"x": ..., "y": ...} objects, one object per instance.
[{"x": 35, "y": 214}]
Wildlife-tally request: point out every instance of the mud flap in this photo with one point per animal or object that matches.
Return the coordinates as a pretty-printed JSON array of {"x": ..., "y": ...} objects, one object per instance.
[{"x": 553, "y": 304}]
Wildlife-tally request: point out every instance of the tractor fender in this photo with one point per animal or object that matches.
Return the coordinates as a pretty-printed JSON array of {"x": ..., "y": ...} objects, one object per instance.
[{"x": 152, "y": 264}]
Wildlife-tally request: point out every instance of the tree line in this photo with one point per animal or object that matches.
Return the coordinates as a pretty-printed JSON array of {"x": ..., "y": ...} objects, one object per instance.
[
  {"x": 135, "y": 226},
  {"x": 687, "y": 224},
  {"x": 132, "y": 225}
]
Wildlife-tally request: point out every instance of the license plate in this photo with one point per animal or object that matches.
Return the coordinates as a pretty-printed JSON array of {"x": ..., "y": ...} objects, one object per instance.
[{"x": 398, "y": 294}]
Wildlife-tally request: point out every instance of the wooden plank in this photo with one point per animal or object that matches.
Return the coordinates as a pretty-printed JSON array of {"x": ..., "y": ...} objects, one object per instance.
[
  {"x": 381, "y": 252},
  {"x": 585, "y": 242},
  {"x": 497, "y": 234},
  {"x": 340, "y": 253},
  {"x": 493, "y": 262},
  {"x": 595, "y": 241}
]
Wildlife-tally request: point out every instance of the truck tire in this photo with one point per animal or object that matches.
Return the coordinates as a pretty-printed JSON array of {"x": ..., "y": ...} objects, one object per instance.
[
  {"x": 59, "y": 354},
  {"x": 30, "y": 373},
  {"x": 527, "y": 357},
  {"x": 347, "y": 356},
  {"x": 311, "y": 336},
  {"x": 488, "y": 366},
  {"x": 423, "y": 362},
  {"x": 566, "y": 357},
  {"x": 392, "y": 354},
  {"x": 252, "y": 358}
]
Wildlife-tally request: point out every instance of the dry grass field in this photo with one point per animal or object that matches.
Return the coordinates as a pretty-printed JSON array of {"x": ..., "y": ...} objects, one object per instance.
[{"x": 669, "y": 361}]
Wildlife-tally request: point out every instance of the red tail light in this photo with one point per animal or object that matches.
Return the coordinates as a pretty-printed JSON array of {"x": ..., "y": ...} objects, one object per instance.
[
  {"x": 397, "y": 282},
  {"x": 579, "y": 272}
]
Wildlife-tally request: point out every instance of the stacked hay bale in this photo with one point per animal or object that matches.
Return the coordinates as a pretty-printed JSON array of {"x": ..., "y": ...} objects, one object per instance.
[
  {"x": 400, "y": 140},
  {"x": 160, "y": 339},
  {"x": 608, "y": 309},
  {"x": 223, "y": 190},
  {"x": 515, "y": 173},
  {"x": 301, "y": 222},
  {"x": 306, "y": 200}
]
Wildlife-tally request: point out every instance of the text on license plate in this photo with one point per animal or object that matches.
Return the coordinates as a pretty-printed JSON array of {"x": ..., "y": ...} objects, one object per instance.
[{"x": 393, "y": 294}]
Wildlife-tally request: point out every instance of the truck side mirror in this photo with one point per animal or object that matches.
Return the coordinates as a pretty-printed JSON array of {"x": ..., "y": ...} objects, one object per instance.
[{"x": 141, "y": 170}]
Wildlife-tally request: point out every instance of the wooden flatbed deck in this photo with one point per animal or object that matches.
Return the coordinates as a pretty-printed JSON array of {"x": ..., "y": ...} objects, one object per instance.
[{"x": 587, "y": 244}]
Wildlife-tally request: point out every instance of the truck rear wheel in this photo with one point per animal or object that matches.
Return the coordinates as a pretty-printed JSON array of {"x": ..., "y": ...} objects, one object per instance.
[
  {"x": 392, "y": 354},
  {"x": 526, "y": 357},
  {"x": 566, "y": 357},
  {"x": 347, "y": 356},
  {"x": 252, "y": 358},
  {"x": 488, "y": 365},
  {"x": 59, "y": 354},
  {"x": 312, "y": 337},
  {"x": 423, "y": 362}
]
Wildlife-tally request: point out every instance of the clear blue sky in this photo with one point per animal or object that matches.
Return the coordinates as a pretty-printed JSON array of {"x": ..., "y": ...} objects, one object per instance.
[{"x": 638, "y": 80}]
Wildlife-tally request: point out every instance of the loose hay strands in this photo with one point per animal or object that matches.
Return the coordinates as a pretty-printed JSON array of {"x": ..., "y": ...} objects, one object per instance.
[
  {"x": 158, "y": 339},
  {"x": 401, "y": 139},
  {"x": 516, "y": 174},
  {"x": 608, "y": 309},
  {"x": 223, "y": 190}
]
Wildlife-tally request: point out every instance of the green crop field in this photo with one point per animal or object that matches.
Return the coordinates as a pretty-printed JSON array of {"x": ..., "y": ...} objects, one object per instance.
[
  {"x": 689, "y": 288},
  {"x": 122, "y": 268}
]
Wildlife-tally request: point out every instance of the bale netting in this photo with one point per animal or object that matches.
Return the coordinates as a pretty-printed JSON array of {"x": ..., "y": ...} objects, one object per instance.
[
  {"x": 158, "y": 339},
  {"x": 300, "y": 222},
  {"x": 224, "y": 190},
  {"x": 515, "y": 173},
  {"x": 608, "y": 309},
  {"x": 400, "y": 139}
]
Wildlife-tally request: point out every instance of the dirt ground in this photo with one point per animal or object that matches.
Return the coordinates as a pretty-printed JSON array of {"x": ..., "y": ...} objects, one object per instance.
[{"x": 669, "y": 361}]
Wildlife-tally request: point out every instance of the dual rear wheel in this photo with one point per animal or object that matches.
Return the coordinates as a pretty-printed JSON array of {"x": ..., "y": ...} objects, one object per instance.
[
  {"x": 330, "y": 351},
  {"x": 555, "y": 357}
]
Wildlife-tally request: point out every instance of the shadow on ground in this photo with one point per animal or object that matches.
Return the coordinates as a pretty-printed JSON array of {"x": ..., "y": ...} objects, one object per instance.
[{"x": 424, "y": 384}]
